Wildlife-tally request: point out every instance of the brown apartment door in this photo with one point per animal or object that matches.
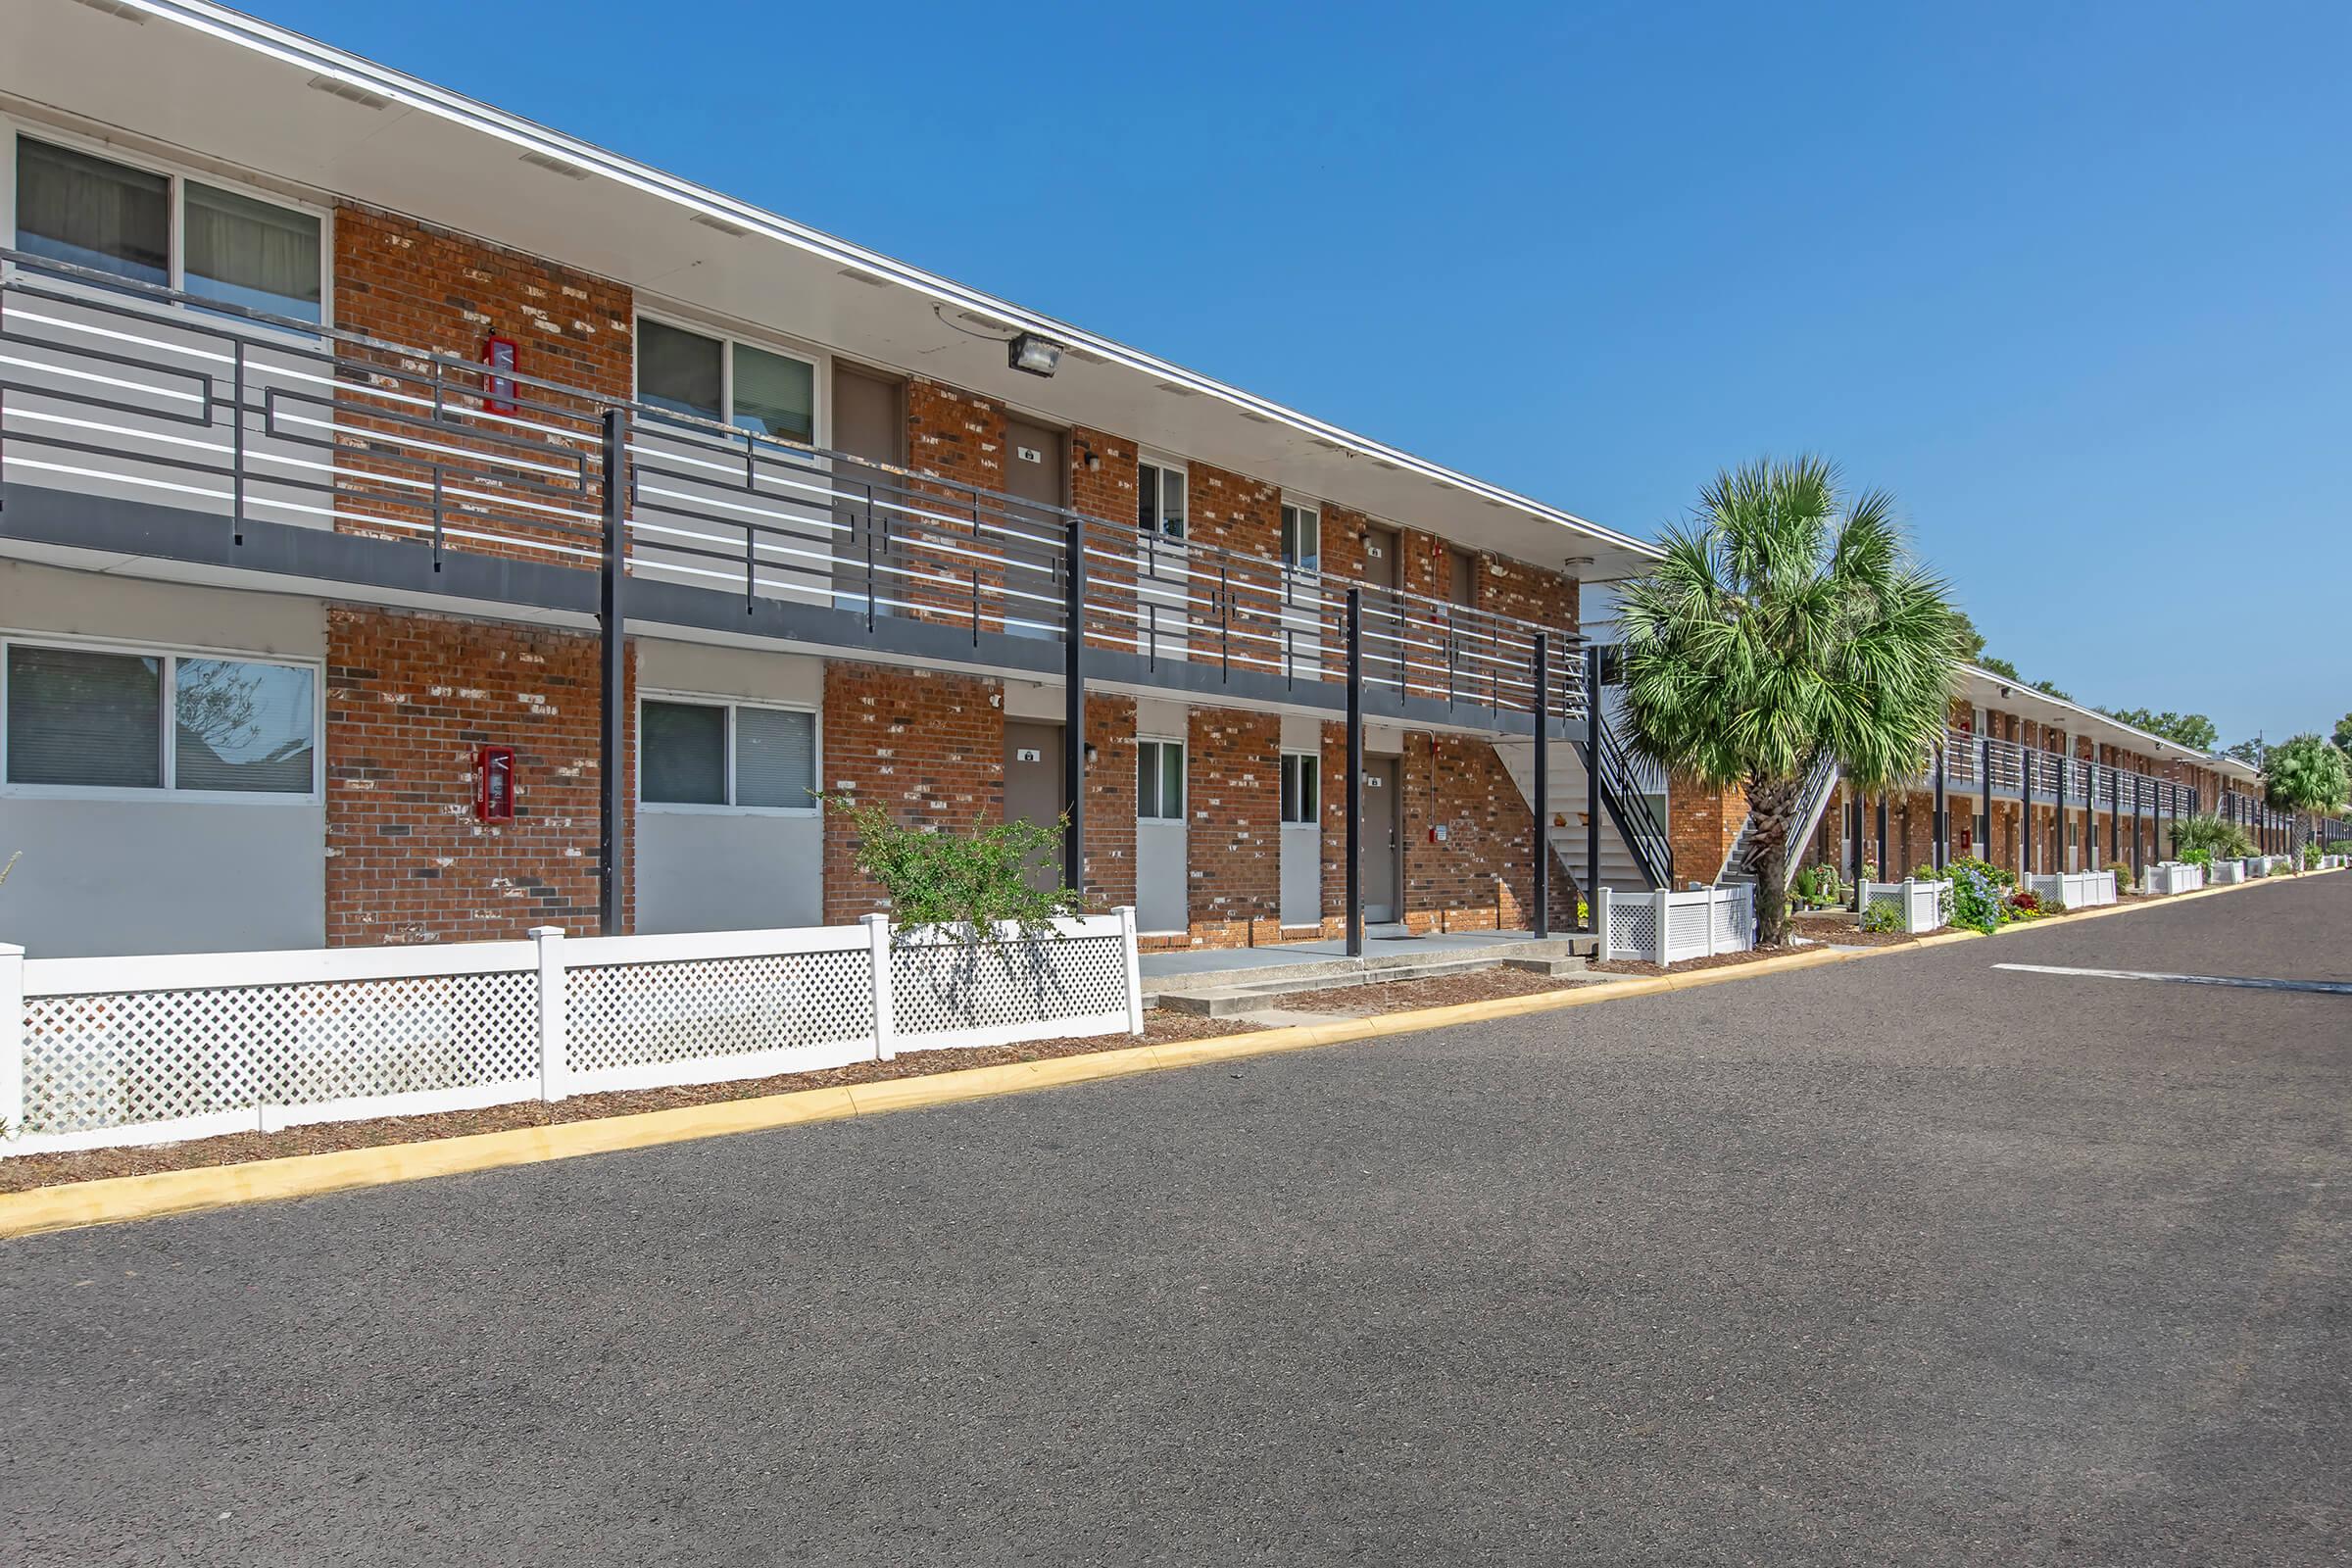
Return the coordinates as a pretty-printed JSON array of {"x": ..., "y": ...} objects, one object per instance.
[
  {"x": 869, "y": 421},
  {"x": 1384, "y": 567},
  {"x": 1036, "y": 468},
  {"x": 1032, "y": 791}
]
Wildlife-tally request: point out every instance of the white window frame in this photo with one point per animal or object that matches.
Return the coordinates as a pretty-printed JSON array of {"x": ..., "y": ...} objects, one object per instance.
[
  {"x": 1310, "y": 509},
  {"x": 168, "y": 791},
  {"x": 1143, "y": 460},
  {"x": 1182, "y": 773},
  {"x": 1310, "y": 768},
  {"x": 14, "y": 129},
  {"x": 817, "y": 754},
  {"x": 820, "y": 363}
]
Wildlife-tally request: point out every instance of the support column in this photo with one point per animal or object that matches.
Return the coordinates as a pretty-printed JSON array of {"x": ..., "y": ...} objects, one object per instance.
[
  {"x": 1884, "y": 867},
  {"x": 1591, "y": 778},
  {"x": 1944, "y": 813},
  {"x": 1854, "y": 818},
  {"x": 1542, "y": 882},
  {"x": 1073, "y": 707},
  {"x": 1356, "y": 773},
  {"x": 613, "y": 680},
  {"x": 2025, "y": 812}
]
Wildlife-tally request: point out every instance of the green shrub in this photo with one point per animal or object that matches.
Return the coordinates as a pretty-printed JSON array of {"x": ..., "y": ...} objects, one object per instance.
[
  {"x": 1999, "y": 876},
  {"x": 965, "y": 885},
  {"x": 2311, "y": 856},
  {"x": 1925, "y": 872},
  {"x": 2217, "y": 836},
  {"x": 1884, "y": 916},
  {"x": 2195, "y": 855}
]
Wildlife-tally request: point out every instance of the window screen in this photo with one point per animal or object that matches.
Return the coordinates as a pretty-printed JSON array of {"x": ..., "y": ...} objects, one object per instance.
[
  {"x": 75, "y": 717},
  {"x": 680, "y": 370},
  {"x": 775, "y": 757},
  {"x": 684, "y": 754}
]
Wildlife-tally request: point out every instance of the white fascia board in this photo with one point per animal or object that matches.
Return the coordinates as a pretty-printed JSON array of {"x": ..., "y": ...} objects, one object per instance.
[
  {"x": 250, "y": 32},
  {"x": 2086, "y": 718}
]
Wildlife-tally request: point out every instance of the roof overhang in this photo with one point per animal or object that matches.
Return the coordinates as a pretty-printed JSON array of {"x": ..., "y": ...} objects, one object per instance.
[
  {"x": 1989, "y": 689},
  {"x": 216, "y": 87}
]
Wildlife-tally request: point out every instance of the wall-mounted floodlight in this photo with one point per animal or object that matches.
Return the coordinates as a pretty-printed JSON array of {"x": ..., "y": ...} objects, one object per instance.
[{"x": 1033, "y": 354}]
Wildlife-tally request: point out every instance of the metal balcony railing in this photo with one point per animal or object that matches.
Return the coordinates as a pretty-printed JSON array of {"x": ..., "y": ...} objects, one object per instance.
[{"x": 136, "y": 394}]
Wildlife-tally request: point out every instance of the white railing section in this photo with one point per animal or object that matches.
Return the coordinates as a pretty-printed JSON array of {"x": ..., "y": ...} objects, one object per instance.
[
  {"x": 2074, "y": 890},
  {"x": 156, "y": 1049},
  {"x": 1923, "y": 906},
  {"x": 2168, "y": 877},
  {"x": 1666, "y": 928}
]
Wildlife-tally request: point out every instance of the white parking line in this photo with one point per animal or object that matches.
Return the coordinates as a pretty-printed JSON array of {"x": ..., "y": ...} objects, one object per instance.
[{"x": 2334, "y": 988}]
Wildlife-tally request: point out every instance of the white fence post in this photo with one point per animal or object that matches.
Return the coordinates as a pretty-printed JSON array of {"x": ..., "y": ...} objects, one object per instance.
[
  {"x": 12, "y": 1040},
  {"x": 555, "y": 1066},
  {"x": 1135, "y": 968},
  {"x": 1601, "y": 922},
  {"x": 886, "y": 1028},
  {"x": 1660, "y": 903}
]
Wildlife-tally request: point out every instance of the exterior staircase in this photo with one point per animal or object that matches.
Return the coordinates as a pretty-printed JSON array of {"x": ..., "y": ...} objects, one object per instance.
[
  {"x": 1632, "y": 849},
  {"x": 1820, "y": 785}
]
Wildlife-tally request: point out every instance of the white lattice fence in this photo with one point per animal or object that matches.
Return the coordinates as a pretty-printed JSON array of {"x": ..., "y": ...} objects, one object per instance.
[
  {"x": 150, "y": 1049},
  {"x": 1666, "y": 928},
  {"x": 1921, "y": 905}
]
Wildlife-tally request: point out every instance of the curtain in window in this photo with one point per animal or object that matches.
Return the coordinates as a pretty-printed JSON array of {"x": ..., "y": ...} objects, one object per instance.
[
  {"x": 243, "y": 252},
  {"x": 90, "y": 212},
  {"x": 685, "y": 754}
]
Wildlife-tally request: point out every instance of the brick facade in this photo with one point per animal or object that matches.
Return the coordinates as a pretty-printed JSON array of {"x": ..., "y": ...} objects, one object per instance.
[
  {"x": 409, "y": 698},
  {"x": 927, "y": 746},
  {"x": 1233, "y": 849},
  {"x": 1702, "y": 825}
]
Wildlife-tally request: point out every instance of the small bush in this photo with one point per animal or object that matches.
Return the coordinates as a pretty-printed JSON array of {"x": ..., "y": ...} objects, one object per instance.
[
  {"x": 964, "y": 884},
  {"x": 1925, "y": 872},
  {"x": 1975, "y": 902},
  {"x": 2311, "y": 856},
  {"x": 1884, "y": 916}
]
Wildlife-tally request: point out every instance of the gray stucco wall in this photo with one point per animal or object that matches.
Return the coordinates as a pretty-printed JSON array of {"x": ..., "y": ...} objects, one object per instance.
[
  {"x": 169, "y": 873},
  {"x": 710, "y": 869}
]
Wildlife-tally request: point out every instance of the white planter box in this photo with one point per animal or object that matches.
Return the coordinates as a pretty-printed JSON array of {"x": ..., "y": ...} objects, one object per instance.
[
  {"x": 2168, "y": 877},
  {"x": 1925, "y": 905},
  {"x": 1665, "y": 928},
  {"x": 2227, "y": 873},
  {"x": 2076, "y": 889}
]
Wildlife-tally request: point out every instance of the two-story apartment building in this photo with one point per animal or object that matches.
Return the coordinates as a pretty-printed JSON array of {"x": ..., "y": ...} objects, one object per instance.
[{"x": 343, "y": 417}]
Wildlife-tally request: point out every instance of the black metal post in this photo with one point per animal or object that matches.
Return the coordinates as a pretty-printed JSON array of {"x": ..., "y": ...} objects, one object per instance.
[
  {"x": 1542, "y": 799},
  {"x": 1073, "y": 709},
  {"x": 2140, "y": 811},
  {"x": 1355, "y": 772},
  {"x": 1943, "y": 813},
  {"x": 1985, "y": 795},
  {"x": 1854, "y": 818},
  {"x": 1592, "y": 783},
  {"x": 1885, "y": 869},
  {"x": 2115, "y": 813},
  {"x": 2024, "y": 811},
  {"x": 612, "y": 688}
]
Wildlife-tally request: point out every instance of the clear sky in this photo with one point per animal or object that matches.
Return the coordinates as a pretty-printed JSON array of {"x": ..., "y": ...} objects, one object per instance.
[{"x": 2074, "y": 283}]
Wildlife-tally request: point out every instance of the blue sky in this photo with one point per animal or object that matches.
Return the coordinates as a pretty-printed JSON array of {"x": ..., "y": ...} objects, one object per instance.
[{"x": 2074, "y": 282}]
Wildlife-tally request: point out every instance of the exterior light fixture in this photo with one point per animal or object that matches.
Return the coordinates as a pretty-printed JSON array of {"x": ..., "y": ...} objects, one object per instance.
[
  {"x": 1033, "y": 355},
  {"x": 1092, "y": 754}
]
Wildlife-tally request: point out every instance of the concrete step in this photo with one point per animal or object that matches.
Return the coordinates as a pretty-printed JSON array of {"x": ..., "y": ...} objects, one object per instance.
[{"x": 1233, "y": 1000}]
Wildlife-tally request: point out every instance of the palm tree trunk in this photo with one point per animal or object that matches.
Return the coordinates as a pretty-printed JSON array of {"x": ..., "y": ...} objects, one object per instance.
[{"x": 1771, "y": 813}]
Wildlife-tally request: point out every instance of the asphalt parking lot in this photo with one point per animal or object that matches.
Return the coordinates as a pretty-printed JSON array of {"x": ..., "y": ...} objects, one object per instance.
[{"x": 1912, "y": 1259}]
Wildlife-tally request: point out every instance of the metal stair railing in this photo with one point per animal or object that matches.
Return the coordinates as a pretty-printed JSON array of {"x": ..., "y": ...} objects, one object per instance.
[{"x": 1637, "y": 828}]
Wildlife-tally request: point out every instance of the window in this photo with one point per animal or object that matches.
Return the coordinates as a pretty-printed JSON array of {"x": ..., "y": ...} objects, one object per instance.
[
  {"x": 1301, "y": 789},
  {"x": 87, "y": 211},
  {"x": 1302, "y": 538},
  {"x": 741, "y": 384},
  {"x": 91, "y": 718},
  {"x": 1159, "y": 499},
  {"x": 1159, "y": 781},
  {"x": 727, "y": 754}
]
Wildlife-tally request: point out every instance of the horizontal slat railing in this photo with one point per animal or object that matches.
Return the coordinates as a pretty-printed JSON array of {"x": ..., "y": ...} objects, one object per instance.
[{"x": 135, "y": 393}]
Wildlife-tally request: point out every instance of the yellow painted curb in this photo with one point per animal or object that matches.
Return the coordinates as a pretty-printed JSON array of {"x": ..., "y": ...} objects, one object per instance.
[{"x": 181, "y": 1192}]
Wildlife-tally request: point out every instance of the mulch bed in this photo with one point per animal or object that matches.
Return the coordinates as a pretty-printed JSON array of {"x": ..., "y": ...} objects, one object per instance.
[
  {"x": 1721, "y": 960},
  {"x": 1443, "y": 991},
  {"x": 29, "y": 1171}
]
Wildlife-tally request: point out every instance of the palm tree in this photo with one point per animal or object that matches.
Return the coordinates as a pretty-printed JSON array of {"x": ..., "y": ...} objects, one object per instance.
[
  {"x": 1786, "y": 623},
  {"x": 2304, "y": 775}
]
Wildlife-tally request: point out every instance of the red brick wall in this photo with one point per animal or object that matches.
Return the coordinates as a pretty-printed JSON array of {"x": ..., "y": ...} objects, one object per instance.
[
  {"x": 958, "y": 436},
  {"x": 928, "y": 747},
  {"x": 1233, "y": 849},
  {"x": 421, "y": 287},
  {"x": 1481, "y": 877},
  {"x": 1701, "y": 826},
  {"x": 1111, "y": 785},
  {"x": 1233, "y": 513},
  {"x": 409, "y": 699}
]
